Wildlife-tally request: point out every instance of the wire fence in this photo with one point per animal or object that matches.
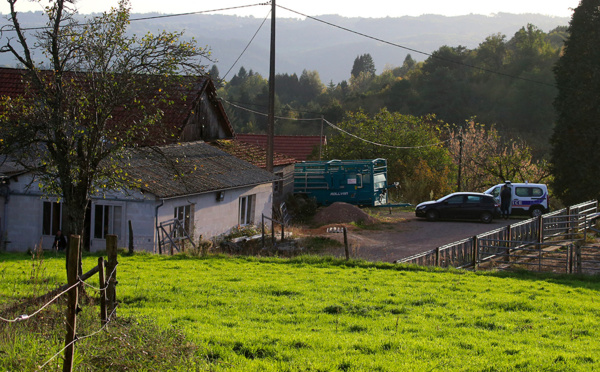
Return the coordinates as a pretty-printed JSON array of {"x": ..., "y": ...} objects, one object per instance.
[
  {"x": 559, "y": 229},
  {"x": 106, "y": 291}
]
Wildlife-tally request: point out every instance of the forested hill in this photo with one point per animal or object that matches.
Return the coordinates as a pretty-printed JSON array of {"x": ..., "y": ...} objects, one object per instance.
[{"x": 312, "y": 45}]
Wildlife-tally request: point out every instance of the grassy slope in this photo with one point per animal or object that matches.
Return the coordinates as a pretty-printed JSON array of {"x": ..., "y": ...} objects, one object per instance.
[{"x": 314, "y": 314}]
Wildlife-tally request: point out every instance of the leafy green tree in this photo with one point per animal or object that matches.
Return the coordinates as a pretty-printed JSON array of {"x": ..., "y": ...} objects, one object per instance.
[
  {"x": 310, "y": 86},
  {"x": 576, "y": 138},
  {"x": 363, "y": 63},
  {"x": 443, "y": 84},
  {"x": 415, "y": 155},
  {"x": 407, "y": 66},
  {"x": 102, "y": 93}
]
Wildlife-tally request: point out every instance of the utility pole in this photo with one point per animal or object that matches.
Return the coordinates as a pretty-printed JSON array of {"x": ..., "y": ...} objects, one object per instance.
[
  {"x": 460, "y": 150},
  {"x": 271, "y": 117},
  {"x": 321, "y": 138}
]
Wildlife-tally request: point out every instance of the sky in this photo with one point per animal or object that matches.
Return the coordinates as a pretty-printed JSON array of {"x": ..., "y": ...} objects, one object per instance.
[{"x": 347, "y": 8}]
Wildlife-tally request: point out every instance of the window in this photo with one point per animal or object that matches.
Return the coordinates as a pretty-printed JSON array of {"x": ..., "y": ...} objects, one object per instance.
[
  {"x": 278, "y": 185},
  {"x": 246, "y": 216},
  {"x": 107, "y": 220},
  {"x": 52, "y": 218},
  {"x": 458, "y": 199},
  {"x": 183, "y": 214},
  {"x": 473, "y": 199}
]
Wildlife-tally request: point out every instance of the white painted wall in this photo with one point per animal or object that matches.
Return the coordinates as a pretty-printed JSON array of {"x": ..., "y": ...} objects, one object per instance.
[
  {"x": 24, "y": 215},
  {"x": 211, "y": 217}
]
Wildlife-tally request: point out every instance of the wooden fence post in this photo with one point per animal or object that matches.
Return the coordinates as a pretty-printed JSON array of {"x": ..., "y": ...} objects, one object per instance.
[
  {"x": 346, "y": 244},
  {"x": 102, "y": 281},
  {"x": 273, "y": 233},
  {"x": 475, "y": 253},
  {"x": 111, "y": 273},
  {"x": 437, "y": 256},
  {"x": 130, "y": 238},
  {"x": 540, "y": 230},
  {"x": 578, "y": 258},
  {"x": 72, "y": 275},
  {"x": 263, "y": 230}
]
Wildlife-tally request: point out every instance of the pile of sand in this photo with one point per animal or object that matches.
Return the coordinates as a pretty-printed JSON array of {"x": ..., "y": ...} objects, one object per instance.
[{"x": 342, "y": 213}]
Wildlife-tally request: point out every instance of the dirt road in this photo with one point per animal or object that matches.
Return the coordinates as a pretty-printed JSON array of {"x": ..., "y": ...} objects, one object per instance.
[{"x": 407, "y": 235}]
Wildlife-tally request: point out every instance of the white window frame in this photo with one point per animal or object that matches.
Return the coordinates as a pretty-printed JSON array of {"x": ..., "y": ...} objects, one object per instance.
[
  {"x": 183, "y": 213},
  {"x": 246, "y": 210},
  {"x": 110, "y": 221}
]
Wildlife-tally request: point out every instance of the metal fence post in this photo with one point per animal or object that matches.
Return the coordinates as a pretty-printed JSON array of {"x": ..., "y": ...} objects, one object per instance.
[{"x": 263, "y": 230}]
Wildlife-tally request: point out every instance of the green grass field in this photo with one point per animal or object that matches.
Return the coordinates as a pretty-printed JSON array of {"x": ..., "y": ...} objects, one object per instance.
[{"x": 308, "y": 314}]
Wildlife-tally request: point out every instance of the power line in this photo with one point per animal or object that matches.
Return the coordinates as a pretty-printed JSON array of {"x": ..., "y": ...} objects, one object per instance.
[
  {"x": 418, "y": 51},
  {"x": 263, "y": 114},
  {"x": 244, "y": 51},
  {"x": 152, "y": 17},
  {"x": 381, "y": 144},
  {"x": 341, "y": 130}
]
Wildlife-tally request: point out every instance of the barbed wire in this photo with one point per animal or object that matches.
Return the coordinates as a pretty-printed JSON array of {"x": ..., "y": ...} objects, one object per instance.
[
  {"x": 77, "y": 339},
  {"x": 25, "y": 316},
  {"x": 79, "y": 281},
  {"x": 105, "y": 281}
]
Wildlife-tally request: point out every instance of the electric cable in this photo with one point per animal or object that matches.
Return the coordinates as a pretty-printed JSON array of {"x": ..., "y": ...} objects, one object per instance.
[
  {"x": 151, "y": 17},
  {"x": 341, "y": 130},
  {"x": 381, "y": 144},
  {"x": 244, "y": 51}
]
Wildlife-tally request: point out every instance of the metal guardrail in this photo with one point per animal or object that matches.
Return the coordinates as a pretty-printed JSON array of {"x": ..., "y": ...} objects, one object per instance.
[{"x": 565, "y": 224}]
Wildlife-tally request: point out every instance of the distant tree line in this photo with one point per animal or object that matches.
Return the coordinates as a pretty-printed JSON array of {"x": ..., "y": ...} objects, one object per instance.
[
  {"x": 496, "y": 101},
  {"x": 505, "y": 82}
]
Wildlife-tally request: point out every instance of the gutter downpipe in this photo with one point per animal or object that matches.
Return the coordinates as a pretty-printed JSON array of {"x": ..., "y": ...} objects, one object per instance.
[{"x": 162, "y": 202}]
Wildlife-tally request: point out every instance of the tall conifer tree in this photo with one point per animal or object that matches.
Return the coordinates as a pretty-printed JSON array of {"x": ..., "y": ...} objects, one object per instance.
[{"x": 576, "y": 137}]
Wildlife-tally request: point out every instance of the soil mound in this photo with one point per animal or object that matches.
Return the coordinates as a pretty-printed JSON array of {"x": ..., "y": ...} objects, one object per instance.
[{"x": 342, "y": 213}]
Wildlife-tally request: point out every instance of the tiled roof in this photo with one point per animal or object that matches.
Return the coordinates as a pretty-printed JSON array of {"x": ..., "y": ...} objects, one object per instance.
[
  {"x": 254, "y": 154},
  {"x": 11, "y": 83},
  {"x": 192, "y": 168},
  {"x": 175, "y": 115},
  {"x": 298, "y": 147}
]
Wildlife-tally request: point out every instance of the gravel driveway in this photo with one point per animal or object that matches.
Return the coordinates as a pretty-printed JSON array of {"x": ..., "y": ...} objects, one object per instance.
[{"x": 408, "y": 236}]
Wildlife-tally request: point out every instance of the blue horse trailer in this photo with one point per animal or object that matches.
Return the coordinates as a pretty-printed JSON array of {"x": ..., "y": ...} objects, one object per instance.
[{"x": 359, "y": 182}]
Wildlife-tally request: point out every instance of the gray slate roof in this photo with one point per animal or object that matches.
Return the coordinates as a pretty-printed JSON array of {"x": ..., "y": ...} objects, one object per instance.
[{"x": 192, "y": 168}]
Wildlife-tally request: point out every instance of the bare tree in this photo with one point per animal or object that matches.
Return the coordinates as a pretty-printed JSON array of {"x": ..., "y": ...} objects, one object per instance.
[{"x": 91, "y": 92}]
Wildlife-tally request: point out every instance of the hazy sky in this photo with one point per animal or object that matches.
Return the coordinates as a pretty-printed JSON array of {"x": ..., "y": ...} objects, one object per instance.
[{"x": 348, "y": 8}]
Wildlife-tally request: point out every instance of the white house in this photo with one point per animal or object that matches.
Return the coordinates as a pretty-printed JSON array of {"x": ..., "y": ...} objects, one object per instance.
[{"x": 209, "y": 191}]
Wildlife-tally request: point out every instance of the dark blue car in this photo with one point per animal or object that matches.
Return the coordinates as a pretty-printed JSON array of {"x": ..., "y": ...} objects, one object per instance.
[{"x": 461, "y": 205}]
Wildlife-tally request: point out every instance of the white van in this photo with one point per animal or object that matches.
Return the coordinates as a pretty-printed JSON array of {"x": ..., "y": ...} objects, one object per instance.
[{"x": 527, "y": 198}]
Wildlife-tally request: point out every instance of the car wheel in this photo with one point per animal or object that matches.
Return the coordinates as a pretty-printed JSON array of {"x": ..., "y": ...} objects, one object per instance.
[
  {"x": 536, "y": 212},
  {"x": 486, "y": 217},
  {"x": 432, "y": 215}
]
